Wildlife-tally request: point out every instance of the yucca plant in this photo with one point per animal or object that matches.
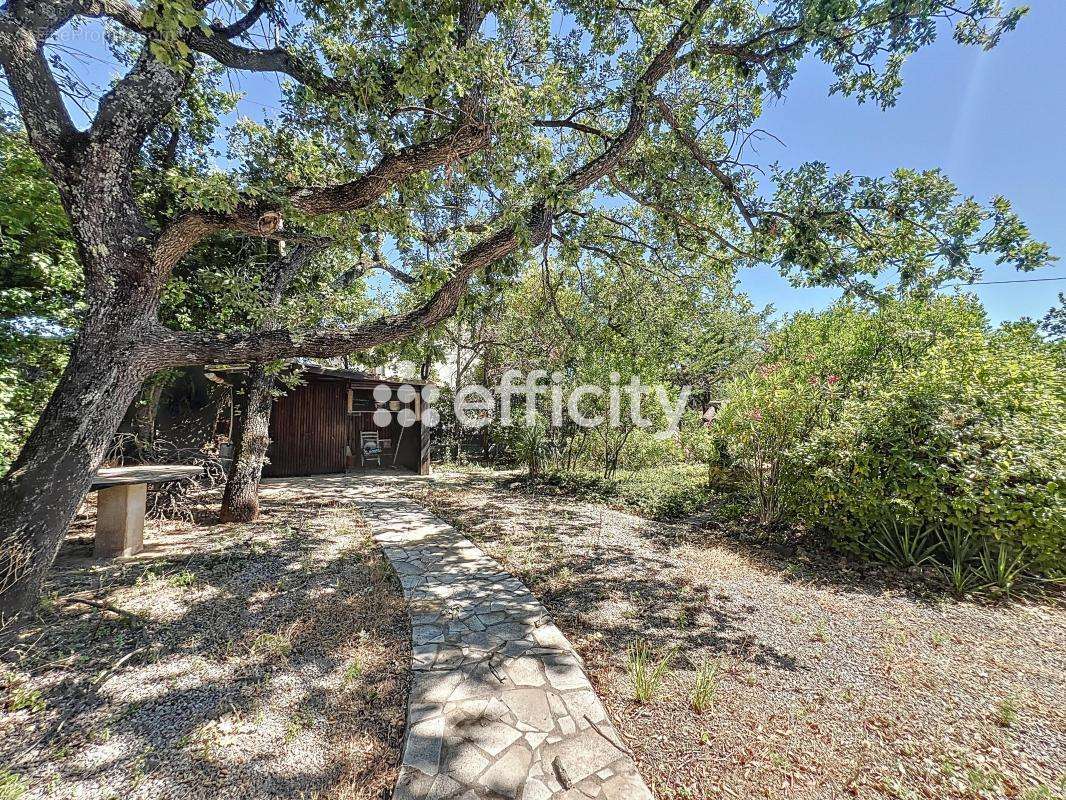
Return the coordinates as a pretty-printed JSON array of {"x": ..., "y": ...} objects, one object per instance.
[
  {"x": 902, "y": 544},
  {"x": 1000, "y": 567},
  {"x": 706, "y": 686},
  {"x": 531, "y": 447},
  {"x": 646, "y": 675},
  {"x": 958, "y": 546}
]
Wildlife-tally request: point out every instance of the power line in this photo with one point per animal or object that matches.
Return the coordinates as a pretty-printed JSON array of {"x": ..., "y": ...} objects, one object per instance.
[{"x": 990, "y": 283}]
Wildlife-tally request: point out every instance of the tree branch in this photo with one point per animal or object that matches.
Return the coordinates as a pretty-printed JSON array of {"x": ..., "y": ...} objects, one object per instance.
[
  {"x": 705, "y": 161},
  {"x": 746, "y": 51},
  {"x": 281, "y": 272},
  {"x": 277, "y": 59},
  {"x": 664, "y": 62},
  {"x": 346, "y": 278},
  {"x": 245, "y": 23},
  {"x": 263, "y": 220},
  {"x": 48, "y": 124},
  {"x": 439, "y": 236},
  {"x": 171, "y": 348},
  {"x": 567, "y": 123},
  {"x": 132, "y": 109},
  {"x": 399, "y": 274}
]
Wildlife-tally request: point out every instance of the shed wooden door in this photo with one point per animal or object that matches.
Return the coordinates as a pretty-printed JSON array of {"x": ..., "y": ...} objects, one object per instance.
[{"x": 309, "y": 430}]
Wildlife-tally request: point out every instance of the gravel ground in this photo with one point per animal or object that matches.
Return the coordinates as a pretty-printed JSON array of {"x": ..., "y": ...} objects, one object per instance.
[
  {"x": 228, "y": 661},
  {"x": 831, "y": 680}
]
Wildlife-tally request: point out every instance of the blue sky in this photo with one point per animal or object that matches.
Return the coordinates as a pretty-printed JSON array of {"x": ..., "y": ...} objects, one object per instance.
[{"x": 993, "y": 121}]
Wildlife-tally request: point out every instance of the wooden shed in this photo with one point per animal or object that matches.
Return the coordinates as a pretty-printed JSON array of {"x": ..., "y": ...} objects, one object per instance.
[{"x": 327, "y": 424}]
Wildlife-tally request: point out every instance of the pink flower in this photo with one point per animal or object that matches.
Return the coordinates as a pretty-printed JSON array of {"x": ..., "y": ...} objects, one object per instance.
[
  {"x": 768, "y": 369},
  {"x": 756, "y": 415},
  {"x": 832, "y": 379}
]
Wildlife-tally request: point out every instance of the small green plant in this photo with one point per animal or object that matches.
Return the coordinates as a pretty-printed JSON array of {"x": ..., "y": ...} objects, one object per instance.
[
  {"x": 645, "y": 675},
  {"x": 11, "y": 786},
  {"x": 563, "y": 576},
  {"x": 21, "y": 697},
  {"x": 958, "y": 546},
  {"x": 706, "y": 686},
  {"x": 984, "y": 781},
  {"x": 182, "y": 580},
  {"x": 298, "y": 723},
  {"x": 147, "y": 577},
  {"x": 1044, "y": 792},
  {"x": 1006, "y": 713},
  {"x": 902, "y": 544},
  {"x": 999, "y": 568},
  {"x": 895, "y": 788},
  {"x": 272, "y": 644},
  {"x": 821, "y": 632},
  {"x": 48, "y": 603},
  {"x": 354, "y": 671}
]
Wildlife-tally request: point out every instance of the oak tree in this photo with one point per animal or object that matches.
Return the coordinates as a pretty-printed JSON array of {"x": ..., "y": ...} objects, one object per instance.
[{"x": 471, "y": 132}]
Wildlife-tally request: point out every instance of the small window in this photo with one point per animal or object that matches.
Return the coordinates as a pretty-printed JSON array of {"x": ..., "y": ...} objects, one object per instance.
[{"x": 360, "y": 401}]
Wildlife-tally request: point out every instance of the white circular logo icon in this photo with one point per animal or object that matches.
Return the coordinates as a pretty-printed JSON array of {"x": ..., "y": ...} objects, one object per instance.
[{"x": 406, "y": 395}]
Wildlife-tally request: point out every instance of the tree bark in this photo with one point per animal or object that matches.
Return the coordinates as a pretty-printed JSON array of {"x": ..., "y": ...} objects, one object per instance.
[
  {"x": 143, "y": 416},
  {"x": 42, "y": 490},
  {"x": 240, "y": 501}
]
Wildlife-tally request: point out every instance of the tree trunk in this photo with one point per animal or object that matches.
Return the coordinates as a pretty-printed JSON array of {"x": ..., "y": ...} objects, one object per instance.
[
  {"x": 143, "y": 416},
  {"x": 240, "y": 501},
  {"x": 44, "y": 487}
]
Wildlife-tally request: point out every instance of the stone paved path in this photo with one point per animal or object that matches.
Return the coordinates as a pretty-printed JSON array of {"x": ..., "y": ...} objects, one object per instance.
[{"x": 500, "y": 706}]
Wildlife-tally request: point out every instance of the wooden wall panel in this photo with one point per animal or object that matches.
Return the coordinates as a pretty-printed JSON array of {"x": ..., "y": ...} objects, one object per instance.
[
  {"x": 309, "y": 430},
  {"x": 310, "y": 427}
]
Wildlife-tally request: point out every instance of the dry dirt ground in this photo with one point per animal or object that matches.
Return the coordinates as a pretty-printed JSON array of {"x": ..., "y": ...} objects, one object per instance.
[
  {"x": 228, "y": 661},
  {"x": 830, "y": 681}
]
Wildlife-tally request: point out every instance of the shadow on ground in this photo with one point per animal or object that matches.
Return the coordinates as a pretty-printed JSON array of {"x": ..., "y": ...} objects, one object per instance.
[
  {"x": 261, "y": 660},
  {"x": 581, "y": 561}
]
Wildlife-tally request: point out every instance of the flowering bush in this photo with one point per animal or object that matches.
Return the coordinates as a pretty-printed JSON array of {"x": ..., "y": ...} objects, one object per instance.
[
  {"x": 917, "y": 415},
  {"x": 767, "y": 417}
]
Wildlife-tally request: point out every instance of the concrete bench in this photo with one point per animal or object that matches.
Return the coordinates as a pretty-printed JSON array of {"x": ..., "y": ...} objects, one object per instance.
[{"x": 120, "y": 506}]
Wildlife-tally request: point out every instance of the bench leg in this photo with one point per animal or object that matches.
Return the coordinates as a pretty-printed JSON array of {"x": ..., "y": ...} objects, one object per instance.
[{"x": 120, "y": 520}]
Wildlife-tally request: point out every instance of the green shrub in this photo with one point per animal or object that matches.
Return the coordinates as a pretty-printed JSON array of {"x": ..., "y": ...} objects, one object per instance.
[
  {"x": 766, "y": 419},
  {"x": 583, "y": 484},
  {"x": 644, "y": 450},
  {"x": 531, "y": 446},
  {"x": 917, "y": 415},
  {"x": 902, "y": 544},
  {"x": 666, "y": 493}
]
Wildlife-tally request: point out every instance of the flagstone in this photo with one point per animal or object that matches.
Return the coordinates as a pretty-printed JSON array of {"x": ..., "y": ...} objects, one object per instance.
[{"x": 499, "y": 698}]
